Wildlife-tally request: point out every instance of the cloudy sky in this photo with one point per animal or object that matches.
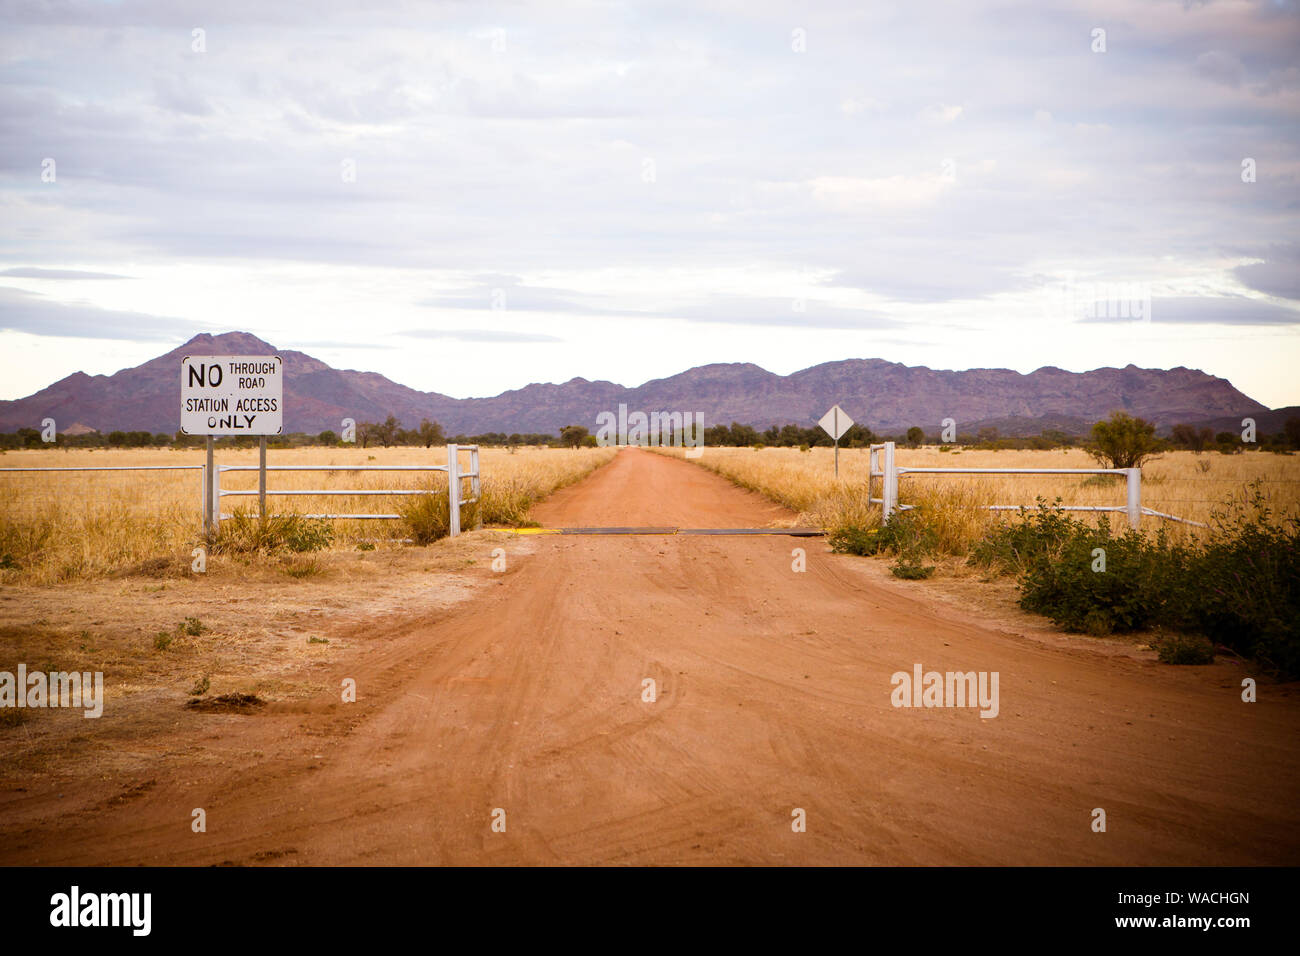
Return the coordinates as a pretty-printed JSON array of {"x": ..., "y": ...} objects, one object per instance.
[{"x": 468, "y": 197}]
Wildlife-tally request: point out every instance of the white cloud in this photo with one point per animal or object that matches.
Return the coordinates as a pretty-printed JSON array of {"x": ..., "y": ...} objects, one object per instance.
[
  {"x": 840, "y": 192},
  {"x": 852, "y": 105},
  {"x": 939, "y": 113}
]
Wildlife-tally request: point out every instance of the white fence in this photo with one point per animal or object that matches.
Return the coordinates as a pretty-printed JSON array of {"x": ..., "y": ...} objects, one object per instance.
[
  {"x": 883, "y": 465},
  {"x": 213, "y": 492}
]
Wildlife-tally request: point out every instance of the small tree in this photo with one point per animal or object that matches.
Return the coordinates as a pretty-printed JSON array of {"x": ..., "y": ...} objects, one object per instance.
[
  {"x": 327, "y": 437},
  {"x": 1123, "y": 441},
  {"x": 915, "y": 435},
  {"x": 1189, "y": 437},
  {"x": 1228, "y": 443},
  {"x": 1292, "y": 430},
  {"x": 431, "y": 434},
  {"x": 387, "y": 432},
  {"x": 572, "y": 436}
]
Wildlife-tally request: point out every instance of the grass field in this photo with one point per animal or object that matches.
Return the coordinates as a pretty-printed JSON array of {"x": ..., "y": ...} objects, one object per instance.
[
  {"x": 1180, "y": 483},
  {"x": 59, "y": 527}
]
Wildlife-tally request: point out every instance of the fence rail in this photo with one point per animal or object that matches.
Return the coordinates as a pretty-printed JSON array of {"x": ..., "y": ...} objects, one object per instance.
[{"x": 882, "y": 464}]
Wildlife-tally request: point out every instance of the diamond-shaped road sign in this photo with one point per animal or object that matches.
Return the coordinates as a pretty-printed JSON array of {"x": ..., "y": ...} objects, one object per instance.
[{"x": 836, "y": 422}]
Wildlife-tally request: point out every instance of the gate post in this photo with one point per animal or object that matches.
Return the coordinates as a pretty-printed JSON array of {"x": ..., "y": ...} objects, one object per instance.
[
  {"x": 215, "y": 497},
  {"x": 873, "y": 455},
  {"x": 453, "y": 492},
  {"x": 207, "y": 489},
  {"x": 476, "y": 487},
  {"x": 889, "y": 496},
  {"x": 261, "y": 478},
  {"x": 1134, "y": 505}
]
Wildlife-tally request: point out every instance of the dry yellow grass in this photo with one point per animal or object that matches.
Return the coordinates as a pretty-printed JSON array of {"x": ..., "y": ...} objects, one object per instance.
[
  {"x": 1178, "y": 483},
  {"x": 59, "y": 527}
]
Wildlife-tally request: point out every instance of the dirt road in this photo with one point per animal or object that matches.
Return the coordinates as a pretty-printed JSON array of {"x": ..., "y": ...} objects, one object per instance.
[{"x": 773, "y": 693}]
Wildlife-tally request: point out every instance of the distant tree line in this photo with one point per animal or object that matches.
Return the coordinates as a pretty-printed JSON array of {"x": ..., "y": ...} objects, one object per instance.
[
  {"x": 428, "y": 434},
  {"x": 387, "y": 433}
]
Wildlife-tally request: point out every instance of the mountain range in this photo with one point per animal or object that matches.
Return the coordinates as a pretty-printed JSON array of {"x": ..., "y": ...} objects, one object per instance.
[{"x": 885, "y": 396}]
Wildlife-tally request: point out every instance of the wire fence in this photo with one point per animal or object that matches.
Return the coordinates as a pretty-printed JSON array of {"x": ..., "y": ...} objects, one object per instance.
[{"x": 138, "y": 492}]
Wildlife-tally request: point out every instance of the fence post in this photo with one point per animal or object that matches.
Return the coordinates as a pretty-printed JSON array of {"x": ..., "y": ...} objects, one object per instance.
[
  {"x": 1134, "y": 496},
  {"x": 215, "y": 498},
  {"x": 872, "y": 459},
  {"x": 476, "y": 487},
  {"x": 261, "y": 478},
  {"x": 889, "y": 496},
  {"x": 207, "y": 489},
  {"x": 453, "y": 492}
]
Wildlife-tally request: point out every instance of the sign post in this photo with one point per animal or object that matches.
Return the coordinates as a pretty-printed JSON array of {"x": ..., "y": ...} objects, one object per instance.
[
  {"x": 207, "y": 492},
  {"x": 835, "y": 423},
  {"x": 261, "y": 477},
  {"x": 232, "y": 395}
]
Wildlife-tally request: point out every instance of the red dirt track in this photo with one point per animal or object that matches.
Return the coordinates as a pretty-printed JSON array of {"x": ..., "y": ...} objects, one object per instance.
[{"x": 773, "y": 694}]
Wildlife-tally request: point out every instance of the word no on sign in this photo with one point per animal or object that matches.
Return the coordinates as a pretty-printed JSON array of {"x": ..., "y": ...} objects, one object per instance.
[{"x": 232, "y": 395}]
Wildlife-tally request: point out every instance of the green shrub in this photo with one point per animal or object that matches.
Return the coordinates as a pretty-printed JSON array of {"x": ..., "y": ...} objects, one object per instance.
[
  {"x": 1137, "y": 589},
  {"x": 910, "y": 569},
  {"x": 246, "y": 533},
  {"x": 192, "y": 626},
  {"x": 1185, "y": 649},
  {"x": 910, "y": 536},
  {"x": 1245, "y": 587},
  {"x": 906, "y": 535},
  {"x": 161, "y": 641},
  {"x": 1238, "y": 585},
  {"x": 1010, "y": 547},
  {"x": 854, "y": 539}
]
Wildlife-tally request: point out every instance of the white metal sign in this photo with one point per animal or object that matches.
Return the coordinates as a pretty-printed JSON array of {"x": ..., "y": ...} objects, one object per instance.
[
  {"x": 232, "y": 395},
  {"x": 836, "y": 422}
]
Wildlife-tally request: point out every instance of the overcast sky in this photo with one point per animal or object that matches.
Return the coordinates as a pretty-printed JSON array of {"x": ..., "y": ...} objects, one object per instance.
[{"x": 468, "y": 197}]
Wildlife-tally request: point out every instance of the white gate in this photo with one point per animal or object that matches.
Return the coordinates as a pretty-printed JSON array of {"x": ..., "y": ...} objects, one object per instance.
[
  {"x": 213, "y": 516},
  {"x": 883, "y": 465}
]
